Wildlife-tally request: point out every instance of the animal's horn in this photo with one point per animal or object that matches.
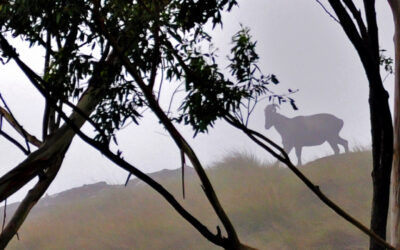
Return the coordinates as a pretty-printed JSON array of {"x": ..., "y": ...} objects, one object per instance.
[{"x": 271, "y": 108}]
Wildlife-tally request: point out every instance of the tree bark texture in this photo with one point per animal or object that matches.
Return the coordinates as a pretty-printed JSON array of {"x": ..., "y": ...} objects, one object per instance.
[{"x": 395, "y": 179}]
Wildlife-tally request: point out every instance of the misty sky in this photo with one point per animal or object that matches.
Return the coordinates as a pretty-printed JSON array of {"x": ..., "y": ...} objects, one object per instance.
[{"x": 297, "y": 41}]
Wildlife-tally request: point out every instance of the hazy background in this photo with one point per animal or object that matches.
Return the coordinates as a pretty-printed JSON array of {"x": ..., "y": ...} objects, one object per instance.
[{"x": 297, "y": 41}]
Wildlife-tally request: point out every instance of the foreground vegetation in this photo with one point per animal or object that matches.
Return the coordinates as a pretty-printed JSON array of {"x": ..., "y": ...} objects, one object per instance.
[{"x": 270, "y": 208}]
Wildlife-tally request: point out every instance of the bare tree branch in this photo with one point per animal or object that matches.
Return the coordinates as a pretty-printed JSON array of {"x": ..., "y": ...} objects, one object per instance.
[
  {"x": 161, "y": 81},
  {"x": 15, "y": 142},
  {"x": 13, "y": 122},
  {"x": 349, "y": 28},
  {"x": 183, "y": 165},
  {"x": 357, "y": 16},
  {"x": 176, "y": 90}
]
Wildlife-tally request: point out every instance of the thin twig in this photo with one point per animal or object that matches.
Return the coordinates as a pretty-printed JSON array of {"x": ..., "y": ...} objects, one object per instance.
[
  {"x": 172, "y": 97},
  {"x": 86, "y": 117},
  {"x": 15, "y": 142},
  {"x": 8, "y": 137},
  {"x": 128, "y": 178},
  {"x": 161, "y": 81},
  {"x": 16, "y": 122},
  {"x": 32, "y": 139},
  {"x": 251, "y": 110},
  {"x": 327, "y": 11},
  {"x": 183, "y": 172},
  {"x": 384, "y": 79}
]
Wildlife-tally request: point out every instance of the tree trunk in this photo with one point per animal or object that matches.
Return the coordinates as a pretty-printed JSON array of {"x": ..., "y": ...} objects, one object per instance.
[
  {"x": 45, "y": 163},
  {"x": 382, "y": 150},
  {"x": 395, "y": 179},
  {"x": 29, "y": 202}
]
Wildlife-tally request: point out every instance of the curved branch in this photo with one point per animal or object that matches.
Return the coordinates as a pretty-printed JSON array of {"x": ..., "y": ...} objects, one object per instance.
[
  {"x": 177, "y": 137},
  {"x": 38, "y": 160},
  {"x": 216, "y": 239},
  {"x": 328, "y": 12},
  {"x": 314, "y": 188}
]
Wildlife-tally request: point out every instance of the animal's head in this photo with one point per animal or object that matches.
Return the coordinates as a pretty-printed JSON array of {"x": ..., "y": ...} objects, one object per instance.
[{"x": 269, "y": 112}]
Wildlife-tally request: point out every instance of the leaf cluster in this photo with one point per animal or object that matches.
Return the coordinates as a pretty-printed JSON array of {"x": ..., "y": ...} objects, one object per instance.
[
  {"x": 33, "y": 19},
  {"x": 188, "y": 14},
  {"x": 210, "y": 94},
  {"x": 64, "y": 30},
  {"x": 119, "y": 104},
  {"x": 166, "y": 35}
]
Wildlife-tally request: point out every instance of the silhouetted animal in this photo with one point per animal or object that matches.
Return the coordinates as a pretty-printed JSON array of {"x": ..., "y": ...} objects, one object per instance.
[{"x": 301, "y": 131}]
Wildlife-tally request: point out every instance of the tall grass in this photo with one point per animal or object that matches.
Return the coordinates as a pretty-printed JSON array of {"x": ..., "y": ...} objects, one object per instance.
[{"x": 269, "y": 206}]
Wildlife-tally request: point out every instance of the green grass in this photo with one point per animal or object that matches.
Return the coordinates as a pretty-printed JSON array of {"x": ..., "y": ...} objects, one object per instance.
[{"x": 269, "y": 206}]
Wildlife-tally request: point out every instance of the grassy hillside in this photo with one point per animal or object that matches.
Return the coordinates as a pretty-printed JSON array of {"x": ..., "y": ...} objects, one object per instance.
[{"x": 270, "y": 208}]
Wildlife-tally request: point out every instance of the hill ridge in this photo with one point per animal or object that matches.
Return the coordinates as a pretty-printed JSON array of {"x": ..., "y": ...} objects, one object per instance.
[{"x": 269, "y": 206}]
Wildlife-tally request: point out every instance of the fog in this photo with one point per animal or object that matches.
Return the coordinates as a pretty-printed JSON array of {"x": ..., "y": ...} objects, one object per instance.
[{"x": 296, "y": 40}]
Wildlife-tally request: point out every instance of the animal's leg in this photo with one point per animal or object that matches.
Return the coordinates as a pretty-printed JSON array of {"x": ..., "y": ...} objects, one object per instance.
[
  {"x": 344, "y": 143},
  {"x": 287, "y": 148},
  {"x": 298, "y": 154},
  {"x": 334, "y": 146}
]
